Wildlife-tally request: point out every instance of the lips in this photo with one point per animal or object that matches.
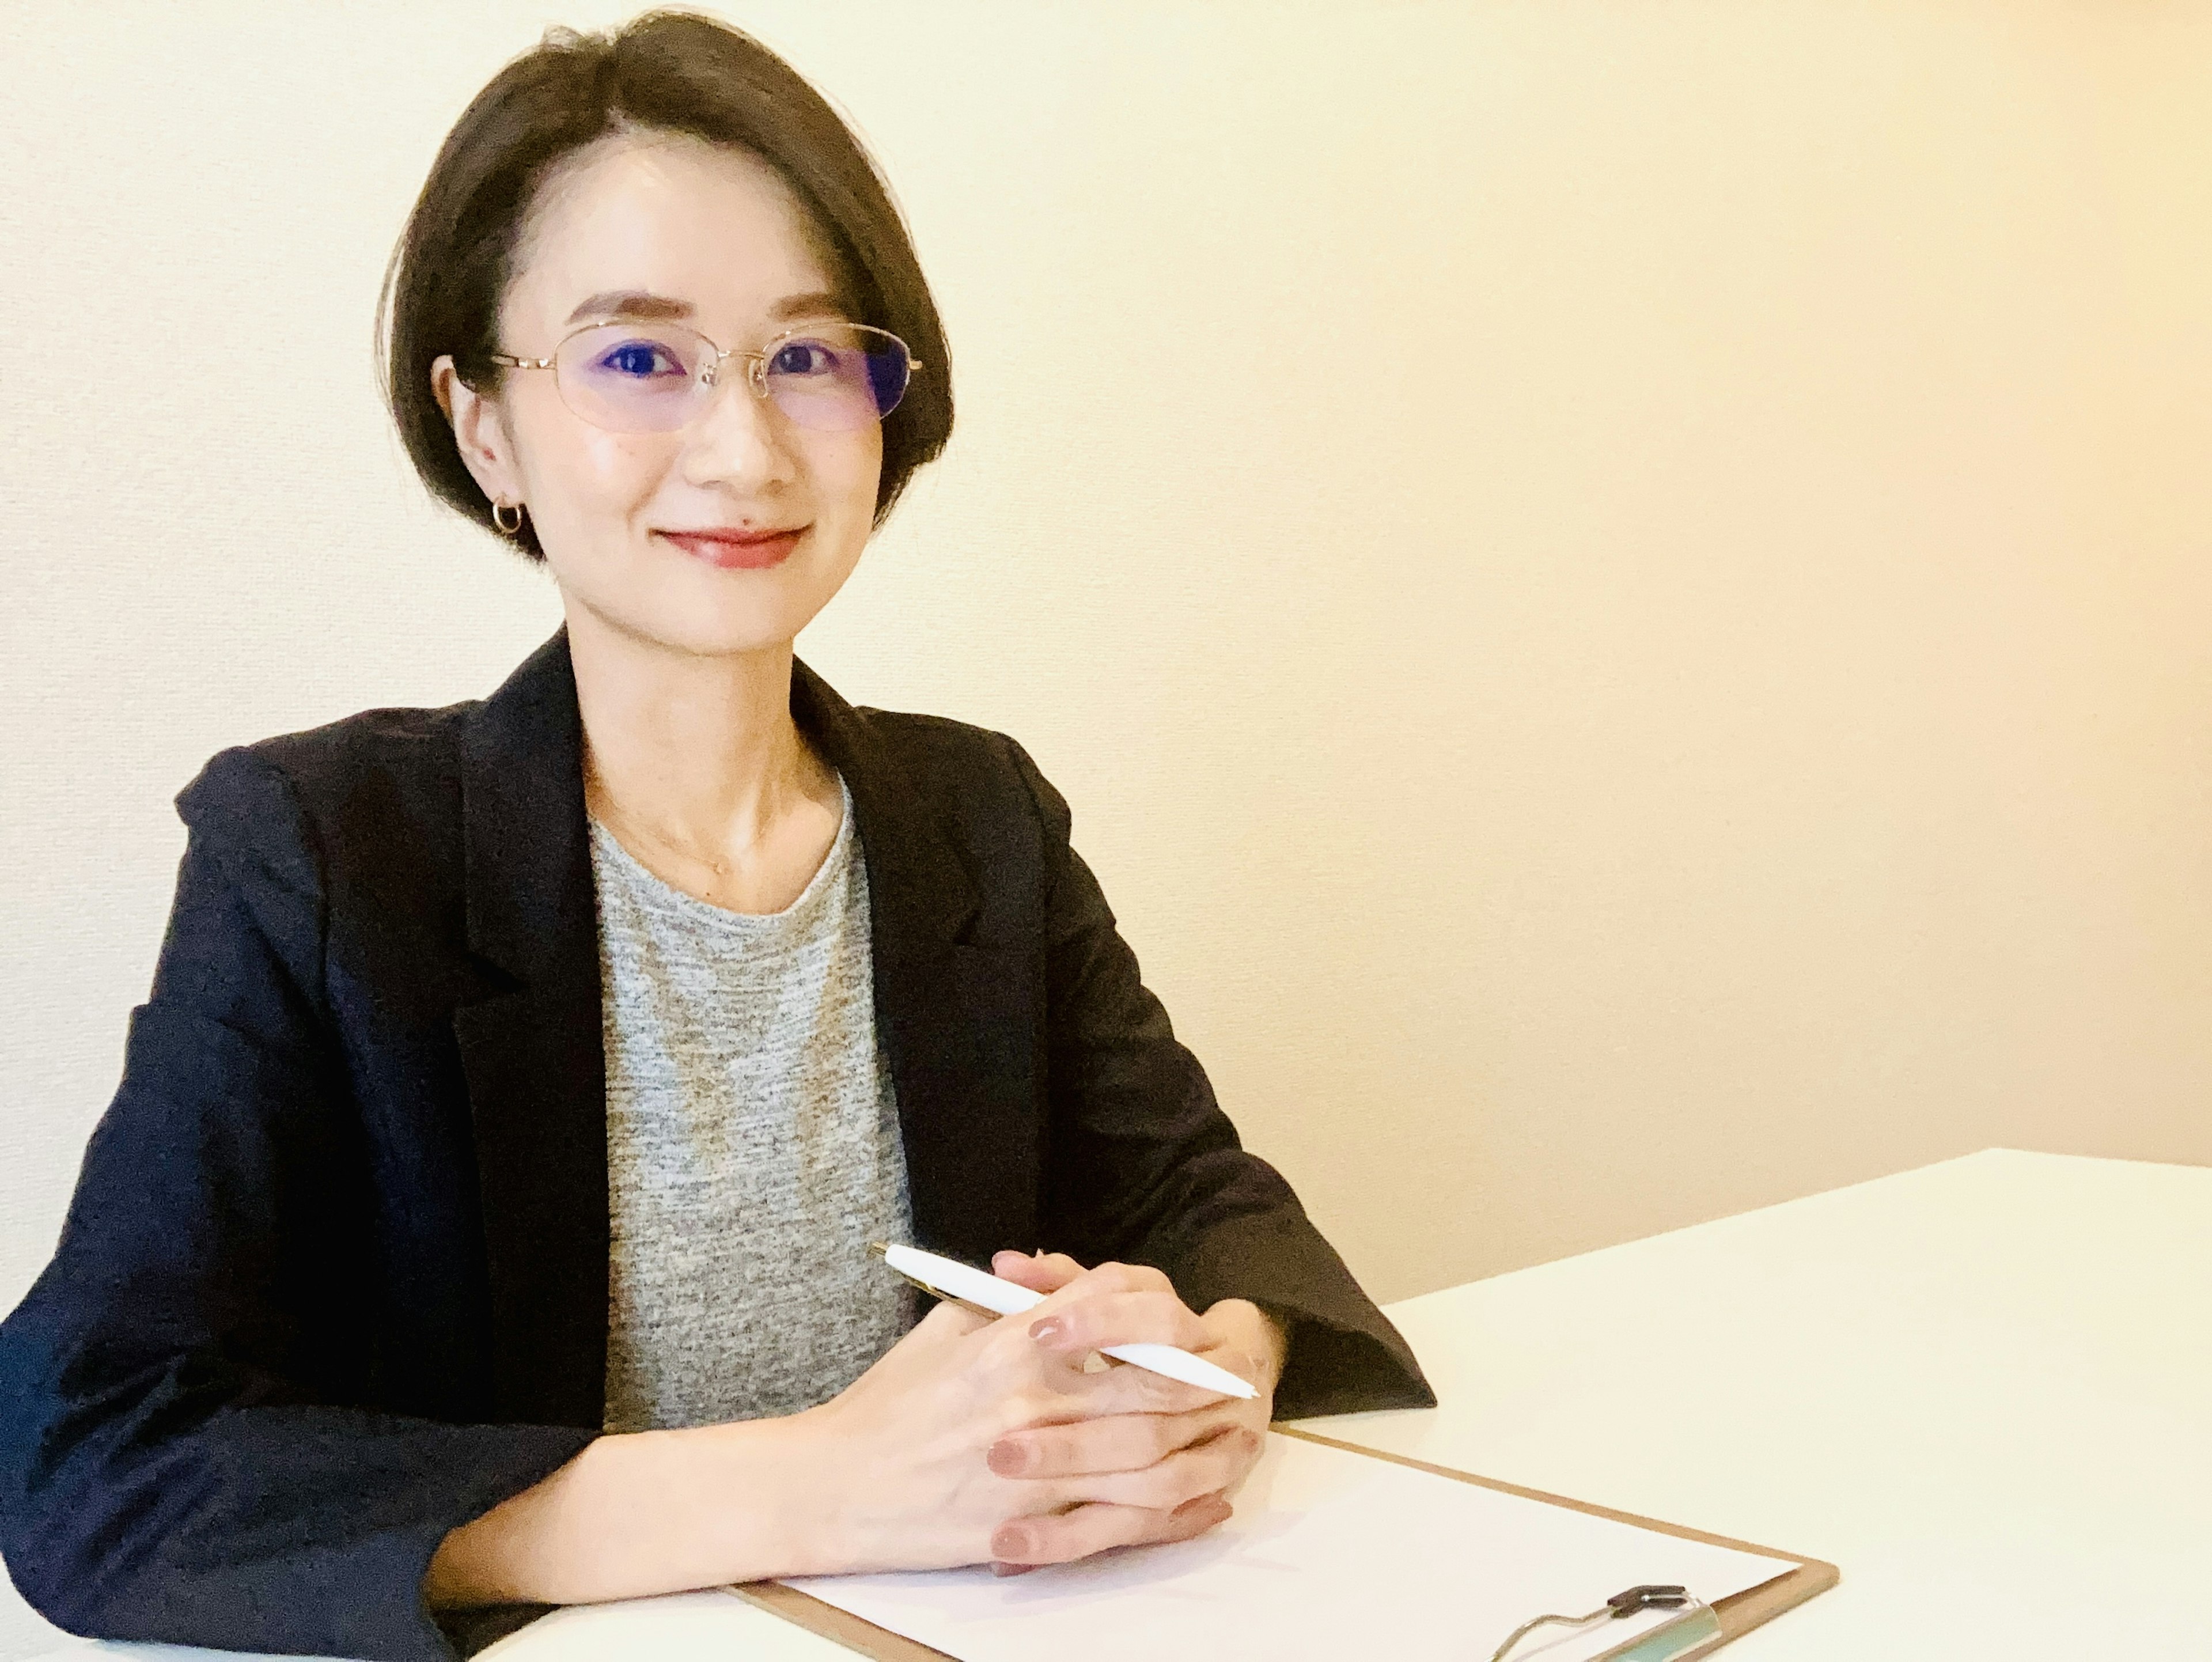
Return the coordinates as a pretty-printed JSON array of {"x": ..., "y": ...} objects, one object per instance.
[{"x": 737, "y": 549}]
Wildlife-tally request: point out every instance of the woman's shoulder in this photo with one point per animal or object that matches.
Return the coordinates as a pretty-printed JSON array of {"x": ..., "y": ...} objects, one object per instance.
[
  {"x": 932, "y": 743},
  {"x": 969, "y": 769},
  {"x": 393, "y": 771}
]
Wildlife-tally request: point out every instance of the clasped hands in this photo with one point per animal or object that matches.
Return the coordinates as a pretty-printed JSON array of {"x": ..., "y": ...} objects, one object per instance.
[{"x": 988, "y": 1438}]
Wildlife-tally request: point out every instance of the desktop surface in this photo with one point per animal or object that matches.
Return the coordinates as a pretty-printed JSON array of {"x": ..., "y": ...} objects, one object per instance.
[{"x": 1979, "y": 1387}]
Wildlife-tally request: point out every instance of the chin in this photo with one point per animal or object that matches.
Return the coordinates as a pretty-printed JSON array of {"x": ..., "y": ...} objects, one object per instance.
[
  {"x": 712, "y": 633},
  {"x": 725, "y": 614}
]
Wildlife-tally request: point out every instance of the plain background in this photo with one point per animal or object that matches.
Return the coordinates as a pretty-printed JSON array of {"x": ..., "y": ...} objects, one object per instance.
[{"x": 1622, "y": 593}]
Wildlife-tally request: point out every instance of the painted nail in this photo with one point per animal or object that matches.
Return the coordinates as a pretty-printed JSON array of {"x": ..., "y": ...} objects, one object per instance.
[
  {"x": 1051, "y": 1327},
  {"x": 1008, "y": 1459},
  {"x": 1009, "y": 1541},
  {"x": 998, "y": 1568}
]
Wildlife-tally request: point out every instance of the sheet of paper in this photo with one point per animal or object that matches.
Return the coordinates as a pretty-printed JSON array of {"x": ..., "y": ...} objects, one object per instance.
[{"x": 1330, "y": 1555}]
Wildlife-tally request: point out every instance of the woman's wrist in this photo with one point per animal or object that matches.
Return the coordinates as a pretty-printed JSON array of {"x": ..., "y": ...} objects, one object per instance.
[
  {"x": 808, "y": 1525},
  {"x": 773, "y": 1493},
  {"x": 1258, "y": 1331},
  {"x": 655, "y": 1511}
]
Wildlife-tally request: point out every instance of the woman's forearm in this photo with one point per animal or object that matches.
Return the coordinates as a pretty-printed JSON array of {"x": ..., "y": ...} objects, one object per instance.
[{"x": 652, "y": 1511}]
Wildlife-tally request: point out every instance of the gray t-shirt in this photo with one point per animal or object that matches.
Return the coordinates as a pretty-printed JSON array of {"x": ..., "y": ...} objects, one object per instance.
[{"x": 752, "y": 1147}]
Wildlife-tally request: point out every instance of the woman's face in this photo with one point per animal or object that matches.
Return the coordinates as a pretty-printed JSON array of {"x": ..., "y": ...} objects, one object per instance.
[{"x": 671, "y": 216}]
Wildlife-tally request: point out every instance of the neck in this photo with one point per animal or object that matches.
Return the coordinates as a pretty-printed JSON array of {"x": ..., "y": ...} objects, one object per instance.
[{"x": 698, "y": 752}]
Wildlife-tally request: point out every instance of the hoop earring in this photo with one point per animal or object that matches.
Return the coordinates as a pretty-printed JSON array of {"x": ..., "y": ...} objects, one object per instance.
[{"x": 505, "y": 529}]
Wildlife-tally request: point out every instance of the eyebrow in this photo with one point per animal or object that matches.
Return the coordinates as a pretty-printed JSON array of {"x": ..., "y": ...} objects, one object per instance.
[{"x": 638, "y": 306}]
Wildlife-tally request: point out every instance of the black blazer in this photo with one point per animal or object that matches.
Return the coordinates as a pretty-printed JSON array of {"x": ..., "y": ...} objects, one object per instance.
[{"x": 334, "y": 1280}]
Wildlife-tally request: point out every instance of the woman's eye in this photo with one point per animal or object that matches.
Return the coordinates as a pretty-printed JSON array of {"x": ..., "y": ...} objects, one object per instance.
[
  {"x": 805, "y": 357},
  {"x": 637, "y": 358}
]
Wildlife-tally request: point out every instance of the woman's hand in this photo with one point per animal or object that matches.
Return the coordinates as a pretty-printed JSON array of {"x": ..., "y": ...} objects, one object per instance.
[
  {"x": 1237, "y": 1334},
  {"x": 968, "y": 1441},
  {"x": 917, "y": 1453}
]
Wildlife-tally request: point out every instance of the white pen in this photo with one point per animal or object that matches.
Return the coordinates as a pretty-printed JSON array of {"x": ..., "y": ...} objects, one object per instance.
[{"x": 963, "y": 1283}]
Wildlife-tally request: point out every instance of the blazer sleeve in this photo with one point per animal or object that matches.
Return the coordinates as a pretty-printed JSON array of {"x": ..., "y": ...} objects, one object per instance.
[
  {"x": 1142, "y": 1165},
  {"x": 179, "y": 1460}
]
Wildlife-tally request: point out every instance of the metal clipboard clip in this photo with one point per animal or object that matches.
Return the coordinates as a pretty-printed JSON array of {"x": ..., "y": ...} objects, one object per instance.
[{"x": 1695, "y": 1630}]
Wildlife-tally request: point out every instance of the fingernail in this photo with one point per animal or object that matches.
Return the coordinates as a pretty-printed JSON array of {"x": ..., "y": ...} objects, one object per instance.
[
  {"x": 1008, "y": 1459},
  {"x": 1200, "y": 1503},
  {"x": 1051, "y": 1327},
  {"x": 998, "y": 1568},
  {"x": 1008, "y": 1541}
]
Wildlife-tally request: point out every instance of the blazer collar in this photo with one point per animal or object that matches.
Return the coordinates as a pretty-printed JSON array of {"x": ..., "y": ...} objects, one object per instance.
[{"x": 533, "y": 1050}]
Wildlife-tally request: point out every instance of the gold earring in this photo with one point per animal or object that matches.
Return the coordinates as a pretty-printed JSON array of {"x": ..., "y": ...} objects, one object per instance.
[{"x": 506, "y": 529}]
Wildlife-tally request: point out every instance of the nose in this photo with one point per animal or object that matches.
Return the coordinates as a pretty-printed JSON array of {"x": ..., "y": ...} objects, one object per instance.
[{"x": 738, "y": 434}]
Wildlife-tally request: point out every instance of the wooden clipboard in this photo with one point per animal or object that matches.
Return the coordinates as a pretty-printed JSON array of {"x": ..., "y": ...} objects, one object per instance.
[{"x": 1739, "y": 1613}]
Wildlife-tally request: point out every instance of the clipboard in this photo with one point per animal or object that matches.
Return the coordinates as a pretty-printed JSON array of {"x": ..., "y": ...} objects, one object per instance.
[{"x": 1739, "y": 1613}]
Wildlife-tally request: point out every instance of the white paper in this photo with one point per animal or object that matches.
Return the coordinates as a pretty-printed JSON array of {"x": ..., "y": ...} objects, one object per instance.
[{"x": 1330, "y": 1555}]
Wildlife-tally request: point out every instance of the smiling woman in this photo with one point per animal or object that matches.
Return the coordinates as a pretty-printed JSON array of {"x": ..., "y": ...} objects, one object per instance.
[
  {"x": 480, "y": 1223},
  {"x": 637, "y": 462},
  {"x": 532, "y": 135}
]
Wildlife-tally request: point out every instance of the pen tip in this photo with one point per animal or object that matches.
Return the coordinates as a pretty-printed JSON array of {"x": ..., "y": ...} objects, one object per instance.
[{"x": 879, "y": 1248}]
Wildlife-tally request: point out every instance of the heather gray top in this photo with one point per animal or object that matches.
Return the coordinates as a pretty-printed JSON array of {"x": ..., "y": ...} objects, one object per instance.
[{"x": 752, "y": 1146}]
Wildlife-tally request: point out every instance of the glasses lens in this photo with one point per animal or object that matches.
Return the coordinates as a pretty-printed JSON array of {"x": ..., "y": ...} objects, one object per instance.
[
  {"x": 646, "y": 377},
  {"x": 632, "y": 377},
  {"x": 833, "y": 376}
]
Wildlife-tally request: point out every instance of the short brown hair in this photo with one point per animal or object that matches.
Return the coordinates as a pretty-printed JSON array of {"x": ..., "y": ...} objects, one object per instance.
[{"x": 675, "y": 71}]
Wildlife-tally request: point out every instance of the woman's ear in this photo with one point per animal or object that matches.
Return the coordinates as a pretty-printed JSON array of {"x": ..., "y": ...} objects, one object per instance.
[{"x": 479, "y": 431}]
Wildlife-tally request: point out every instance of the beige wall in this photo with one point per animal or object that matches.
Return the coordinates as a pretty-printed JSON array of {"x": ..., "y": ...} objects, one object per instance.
[{"x": 1621, "y": 591}]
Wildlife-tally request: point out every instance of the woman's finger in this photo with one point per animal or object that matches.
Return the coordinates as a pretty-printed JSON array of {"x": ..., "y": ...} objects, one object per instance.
[
  {"x": 1099, "y": 1280},
  {"x": 1218, "y": 1463},
  {"x": 1118, "y": 1442},
  {"x": 1194, "y": 1517},
  {"x": 1042, "y": 1272},
  {"x": 1083, "y": 1323},
  {"x": 1062, "y": 1538},
  {"x": 1121, "y": 1388}
]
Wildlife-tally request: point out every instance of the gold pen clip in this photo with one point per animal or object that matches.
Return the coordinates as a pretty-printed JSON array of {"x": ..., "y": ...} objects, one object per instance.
[{"x": 881, "y": 1251}]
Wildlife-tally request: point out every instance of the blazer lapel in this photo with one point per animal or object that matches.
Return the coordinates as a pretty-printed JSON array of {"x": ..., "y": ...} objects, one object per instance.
[
  {"x": 955, "y": 1020},
  {"x": 536, "y": 1069}
]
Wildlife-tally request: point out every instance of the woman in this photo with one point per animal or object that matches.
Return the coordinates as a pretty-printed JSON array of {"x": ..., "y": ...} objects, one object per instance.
[{"x": 480, "y": 1222}]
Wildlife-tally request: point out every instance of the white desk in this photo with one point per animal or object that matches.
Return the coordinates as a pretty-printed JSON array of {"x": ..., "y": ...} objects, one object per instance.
[{"x": 1983, "y": 1389}]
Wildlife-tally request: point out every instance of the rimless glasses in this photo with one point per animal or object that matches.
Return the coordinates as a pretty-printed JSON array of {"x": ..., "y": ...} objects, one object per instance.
[{"x": 826, "y": 374}]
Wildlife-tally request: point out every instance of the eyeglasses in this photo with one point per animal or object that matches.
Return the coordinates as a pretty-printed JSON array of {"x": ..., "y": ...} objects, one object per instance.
[{"x": 826, "y": 374}]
